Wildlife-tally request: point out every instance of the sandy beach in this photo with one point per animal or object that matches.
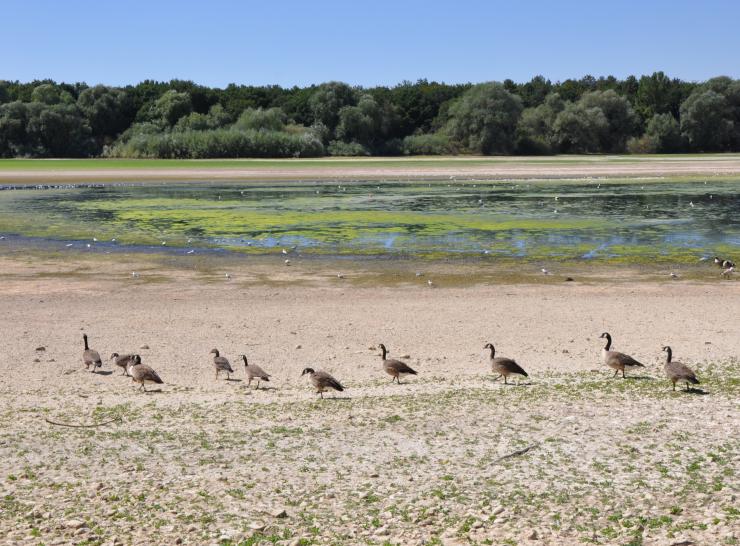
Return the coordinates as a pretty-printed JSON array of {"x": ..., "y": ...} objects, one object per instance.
[
  {"x": 58, "y": 172},
  {"x": 586, "y": 457}
]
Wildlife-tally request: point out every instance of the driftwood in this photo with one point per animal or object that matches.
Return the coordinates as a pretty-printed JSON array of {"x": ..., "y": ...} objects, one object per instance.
[
  {"x": 117, "y": 419},
  {"x": 516, "y": 453}
]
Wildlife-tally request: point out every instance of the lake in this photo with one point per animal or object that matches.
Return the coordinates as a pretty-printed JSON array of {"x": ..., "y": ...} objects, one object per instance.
[{"x": 599, "y": 220}]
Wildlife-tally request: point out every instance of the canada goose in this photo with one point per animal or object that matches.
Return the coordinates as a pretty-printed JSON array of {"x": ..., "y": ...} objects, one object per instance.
[
  {"x": 122, "y": 361},
  {"x": 503, "y": 366},
  {"x": 322, "y": 381},
  {"x": 616, "y": 360},
  {"x": 221, "y": 364},
  {"x": 724, "y": 264},
  {"x": 395, "y": 368},
  {"x": 91, "y": 357},
  {"x": 676, "y": 371},
  {"x": 254, "y": 372},
  {"x": 141, "y": 373}
]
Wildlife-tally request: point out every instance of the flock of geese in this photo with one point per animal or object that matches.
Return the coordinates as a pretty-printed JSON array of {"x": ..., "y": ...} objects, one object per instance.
[{"x": 322, "y": 381}]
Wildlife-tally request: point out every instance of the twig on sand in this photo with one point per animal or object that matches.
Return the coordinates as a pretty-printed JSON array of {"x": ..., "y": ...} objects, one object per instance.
[
  {"x": 116, "y": 419},
  {"x": 516, "y": 453}
]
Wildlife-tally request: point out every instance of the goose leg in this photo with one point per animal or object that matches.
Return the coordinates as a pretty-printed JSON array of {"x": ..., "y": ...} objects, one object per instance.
[
  {"x": 250, "y": 382},
  {"x": 258, "y": 384},
  {"x": 616, "y": 372},
  {"x": 674, "y": 386},
  {"x": 498, "y": 377},
  {"x": 623, "y": 376}
]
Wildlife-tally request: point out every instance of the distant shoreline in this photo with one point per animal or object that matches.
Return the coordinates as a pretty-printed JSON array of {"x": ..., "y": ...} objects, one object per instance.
[{"x": 30, "y": 172}]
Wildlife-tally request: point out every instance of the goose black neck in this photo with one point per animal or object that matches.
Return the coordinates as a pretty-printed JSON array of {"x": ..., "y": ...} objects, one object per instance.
[
  {"x": 382, "y": 348},
  {"x": 245, "y": 360},
  {"x": 608, "y": 342},
  {"x": 668, "y": 355},
  {"x": 493, "y": 350},
  {"x": 216, "y": 354},
  {"x": 85, "y": 338}
]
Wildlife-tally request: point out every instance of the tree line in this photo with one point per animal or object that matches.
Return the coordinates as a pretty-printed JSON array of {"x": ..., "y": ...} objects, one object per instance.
[{"x": 180, "y": 119}]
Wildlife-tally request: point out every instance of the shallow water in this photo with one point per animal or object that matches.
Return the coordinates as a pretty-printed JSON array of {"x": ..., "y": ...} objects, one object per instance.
[{"x": 595, "y": 219}]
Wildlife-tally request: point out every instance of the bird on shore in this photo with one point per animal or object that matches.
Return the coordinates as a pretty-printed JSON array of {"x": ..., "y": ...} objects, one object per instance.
[
  {"x": 91, "y": 357},
  {"x": 504, "y": 367},
  {"x": 221, "y": 364},
  {"x": 616, "y": 360},
  {"x": 142, "y": 374},
  {"x": 322, "y": 381},
  {"x": 122, "y": 361},
  {"x": 395, "y": 368},
  {"x": 724, "y": 264},
  {"x": 676, "y": 371},
  {"x": 254, "y": 372},
  {"x": 727, "y": 272}
]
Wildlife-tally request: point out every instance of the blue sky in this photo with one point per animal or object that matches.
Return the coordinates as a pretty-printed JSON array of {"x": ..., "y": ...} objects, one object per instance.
[{"x": 364, "y": 43}]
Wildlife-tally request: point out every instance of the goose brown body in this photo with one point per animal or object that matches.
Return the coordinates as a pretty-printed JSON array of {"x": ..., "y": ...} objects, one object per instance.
[
  {"x": 617, "y": 361},
  {"x": 254, "y": 372},
  {"x": 221, "y": 364},
  {"x": 504, "y": 367},
  {"x": 677, "y": 371},
  {"x": 322, "y": 381},
  {"x": 395, "y": 368},
  {"x": 122, "y": 361},
  {"x": 142, "y": 374},
  {"x": 90, "y": 356}
]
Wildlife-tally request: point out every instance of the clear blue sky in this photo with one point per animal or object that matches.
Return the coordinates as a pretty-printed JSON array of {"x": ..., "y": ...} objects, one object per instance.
[{"x": 371, "y": 42}]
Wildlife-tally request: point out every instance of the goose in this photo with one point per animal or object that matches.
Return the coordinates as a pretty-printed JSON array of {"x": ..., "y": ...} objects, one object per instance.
[
  {"x": 141, "y": 373},
  {"x": 122, "y": 361},
  {"x": 724, "y": 264},
  {"x": 221, "y": 364},
  {"x": 395, "y": 368},
  {"x": 676, "y": 371},
  {"x": 254, "y": 372},
  {"x": 91, "y": 357},
  {"x": 504, "y": 366},
  {"x": 616, "y": 360},
  {"x": 322, "y": 381}
]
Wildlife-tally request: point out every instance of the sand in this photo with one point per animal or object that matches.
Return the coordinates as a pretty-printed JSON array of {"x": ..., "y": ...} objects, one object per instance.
[
  {"x": 462, "y": 168},
  {"x": 205, "y": 461}
]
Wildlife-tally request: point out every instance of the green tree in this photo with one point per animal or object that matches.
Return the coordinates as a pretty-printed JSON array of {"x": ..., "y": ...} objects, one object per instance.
[
  {"x": 535, "y": 131},
  {"x": 108, "y": 110},
  {"x": 665, "y": 133},
  {"x": 579, "y": 128},
  {"x": 620, "y": 117},
  {"x": 705, "y": 121},
  {"x": 272, "y": 119},
  {"x": 328, "y": 100},
  {"x": 216, "y": 118},
  {"x": 170, "y": 107},
  {"x": 484, "y": 119},
  {"x": 48, "y": 93},
  {"x": 657, "y": 94}
]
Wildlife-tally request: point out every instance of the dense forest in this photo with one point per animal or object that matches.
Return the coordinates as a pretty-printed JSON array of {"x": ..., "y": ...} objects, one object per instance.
[{"x": 179, "y": 119}]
